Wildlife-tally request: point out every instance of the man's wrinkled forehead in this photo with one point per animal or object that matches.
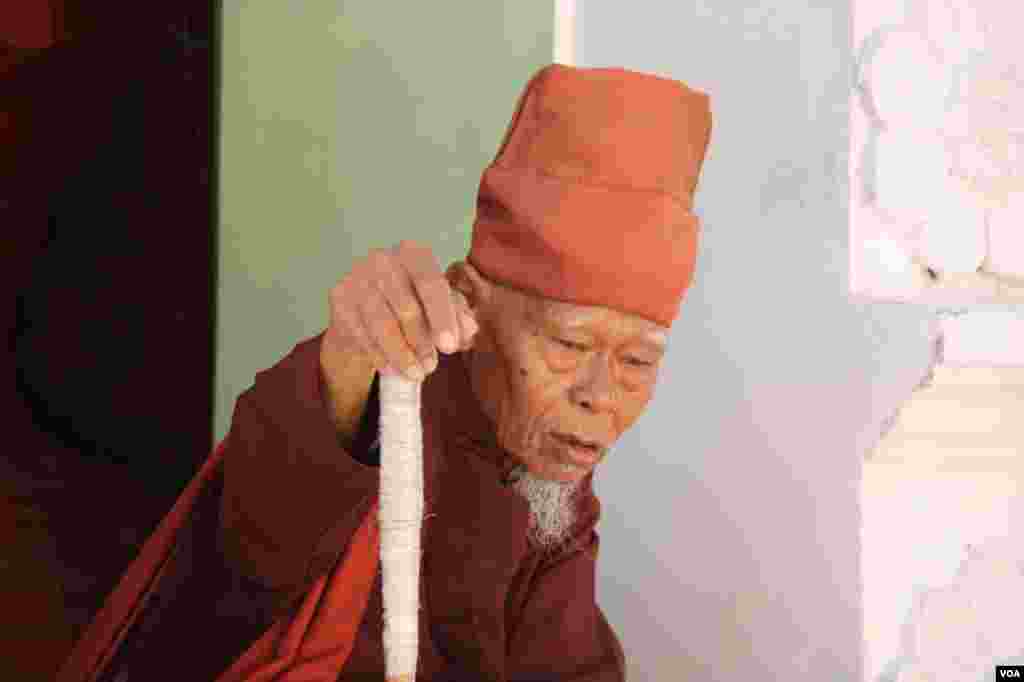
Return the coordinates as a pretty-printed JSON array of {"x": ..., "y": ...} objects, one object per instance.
[{"x": 570, "y": 315}]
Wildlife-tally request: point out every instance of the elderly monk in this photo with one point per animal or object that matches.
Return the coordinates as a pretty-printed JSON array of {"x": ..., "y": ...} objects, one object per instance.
[{"x": 538, "y": 352}]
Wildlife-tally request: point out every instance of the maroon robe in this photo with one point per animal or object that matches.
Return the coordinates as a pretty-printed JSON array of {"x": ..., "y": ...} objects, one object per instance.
[{"x": 290, "y": 499}]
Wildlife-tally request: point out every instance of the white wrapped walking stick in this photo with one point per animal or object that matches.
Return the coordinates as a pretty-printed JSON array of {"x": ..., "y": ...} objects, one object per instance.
[{"x": 401, "y": 521}]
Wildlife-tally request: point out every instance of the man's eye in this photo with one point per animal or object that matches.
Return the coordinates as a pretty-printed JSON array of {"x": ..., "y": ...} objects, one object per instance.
[{"x": 572, "y": 344}]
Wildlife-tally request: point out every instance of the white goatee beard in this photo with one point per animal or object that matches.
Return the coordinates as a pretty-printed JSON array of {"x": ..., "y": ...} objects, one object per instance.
[{"x": 552, "y": 511}]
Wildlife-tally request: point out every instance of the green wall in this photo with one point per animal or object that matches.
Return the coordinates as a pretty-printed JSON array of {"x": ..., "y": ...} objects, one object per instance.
[{"x": 347, "y": 126}]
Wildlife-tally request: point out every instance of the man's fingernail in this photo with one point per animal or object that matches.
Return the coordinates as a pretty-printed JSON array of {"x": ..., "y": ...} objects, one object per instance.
[{"x": 447, "y": 342}]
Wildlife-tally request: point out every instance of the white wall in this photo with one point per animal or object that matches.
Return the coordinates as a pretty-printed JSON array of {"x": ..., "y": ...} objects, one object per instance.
[{"x": 731, "y": 525}]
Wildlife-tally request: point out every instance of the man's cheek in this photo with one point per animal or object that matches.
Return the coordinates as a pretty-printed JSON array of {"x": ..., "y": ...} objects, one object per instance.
[
  {"x": 628, "y": 416},
  {"x": 537, "y": 382}
]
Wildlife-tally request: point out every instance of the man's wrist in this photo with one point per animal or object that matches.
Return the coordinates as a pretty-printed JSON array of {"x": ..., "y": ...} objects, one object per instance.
[{"x": 346, "y": 379}]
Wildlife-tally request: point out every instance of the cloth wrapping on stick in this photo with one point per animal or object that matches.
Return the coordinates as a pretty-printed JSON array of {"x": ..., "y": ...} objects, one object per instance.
[{"x": 401, "y": 522}]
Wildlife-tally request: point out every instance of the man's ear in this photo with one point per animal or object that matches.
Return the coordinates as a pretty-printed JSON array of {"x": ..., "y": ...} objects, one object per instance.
[{"x": 468, "y": 281}]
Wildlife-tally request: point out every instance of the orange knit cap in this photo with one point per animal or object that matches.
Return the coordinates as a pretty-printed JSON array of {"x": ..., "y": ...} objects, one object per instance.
[{"x": 589, "y": 198}]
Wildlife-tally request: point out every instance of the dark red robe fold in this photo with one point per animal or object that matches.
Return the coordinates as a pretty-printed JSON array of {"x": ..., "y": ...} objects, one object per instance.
[
  {"x": 97, "y": 646},
  {"x": 312, "y": 643}
]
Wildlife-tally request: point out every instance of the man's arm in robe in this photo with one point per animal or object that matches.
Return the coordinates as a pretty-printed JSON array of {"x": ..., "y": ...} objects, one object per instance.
[
  {"x": 293, "y": 492},
  {"x": 211, "y": 575}
]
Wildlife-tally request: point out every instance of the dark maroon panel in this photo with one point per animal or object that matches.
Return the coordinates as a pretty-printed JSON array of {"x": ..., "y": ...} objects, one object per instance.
[{"x": 107, "y": 211}]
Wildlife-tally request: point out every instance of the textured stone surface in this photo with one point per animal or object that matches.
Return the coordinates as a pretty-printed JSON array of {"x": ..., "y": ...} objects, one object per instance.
[
  {"x": 943, "y": 531},
  {"x": 938, "y": 146}
]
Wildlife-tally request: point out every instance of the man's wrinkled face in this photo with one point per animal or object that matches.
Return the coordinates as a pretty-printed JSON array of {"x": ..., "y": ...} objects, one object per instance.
[{"x": 562, "y": 381}]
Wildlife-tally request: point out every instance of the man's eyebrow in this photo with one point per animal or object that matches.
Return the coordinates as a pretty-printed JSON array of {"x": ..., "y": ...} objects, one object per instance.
[
  {"x": 567, "y": 319},
  {"x": 656, "y": 338}
]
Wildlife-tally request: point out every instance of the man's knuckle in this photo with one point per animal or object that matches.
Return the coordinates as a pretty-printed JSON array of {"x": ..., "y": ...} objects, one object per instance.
[
  {"x": 369, "y": 305},
  {"x": 340, "y": 316},
  {"x": 433, "y": 281},
  {"x": 375, "y": 320},
  {"x": 353, "y": 324},
  {"x": 430, "y": 285}
]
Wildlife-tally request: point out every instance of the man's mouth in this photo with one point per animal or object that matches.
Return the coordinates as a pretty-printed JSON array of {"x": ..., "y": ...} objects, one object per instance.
[{"x": 583, "y": 452}]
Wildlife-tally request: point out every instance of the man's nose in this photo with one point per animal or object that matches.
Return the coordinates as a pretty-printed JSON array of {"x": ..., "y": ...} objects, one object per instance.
[{"x": 595, "y": 389}]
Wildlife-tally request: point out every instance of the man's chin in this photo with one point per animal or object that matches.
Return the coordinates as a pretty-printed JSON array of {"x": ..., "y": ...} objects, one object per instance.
[
  {"x": 555, "y": 471},
  {"x": 563, "y": 475},
  {"x": 567, "y": 473}
]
